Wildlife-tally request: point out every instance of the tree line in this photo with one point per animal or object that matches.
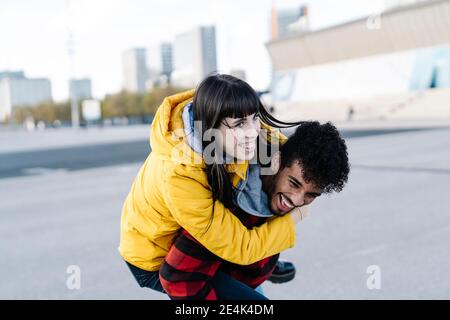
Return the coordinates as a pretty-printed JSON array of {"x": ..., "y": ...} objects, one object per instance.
[{"x": 123, "y": 104}]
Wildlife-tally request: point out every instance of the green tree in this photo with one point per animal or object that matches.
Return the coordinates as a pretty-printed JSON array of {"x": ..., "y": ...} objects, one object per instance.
[
  {"x": 128, "y": 104},
  {"x": 45, "y": 111},
  {"x": 122, "y": 104}
]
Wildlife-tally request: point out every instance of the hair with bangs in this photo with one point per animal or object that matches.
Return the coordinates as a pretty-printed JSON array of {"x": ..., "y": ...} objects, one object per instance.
[
  {"x": 220, "y": 96},
  {"x": 217, "y": 97}
]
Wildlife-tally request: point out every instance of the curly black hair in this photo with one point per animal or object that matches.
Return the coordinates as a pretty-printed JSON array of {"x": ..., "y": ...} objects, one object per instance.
[{"x": 322, "y": 154}]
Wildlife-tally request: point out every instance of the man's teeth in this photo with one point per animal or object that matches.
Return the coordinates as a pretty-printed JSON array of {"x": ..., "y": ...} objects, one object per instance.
[{"x": 285, "y": 203}]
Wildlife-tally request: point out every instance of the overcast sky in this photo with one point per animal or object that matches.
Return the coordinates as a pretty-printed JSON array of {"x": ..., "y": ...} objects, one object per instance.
[{"x": 33, "y": 34}]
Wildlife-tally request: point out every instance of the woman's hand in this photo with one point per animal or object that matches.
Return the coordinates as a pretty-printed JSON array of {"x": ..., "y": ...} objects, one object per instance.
[{"x": 299, "y": 213}]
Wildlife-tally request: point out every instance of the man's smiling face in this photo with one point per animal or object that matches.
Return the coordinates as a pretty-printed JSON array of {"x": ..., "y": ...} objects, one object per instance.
[{"x": 288, "y": 189}]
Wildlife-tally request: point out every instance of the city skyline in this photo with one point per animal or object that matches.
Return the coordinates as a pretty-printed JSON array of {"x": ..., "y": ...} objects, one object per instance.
[
  {"x": 104, "y": 29},
  {"x": 194, "y": 56}
]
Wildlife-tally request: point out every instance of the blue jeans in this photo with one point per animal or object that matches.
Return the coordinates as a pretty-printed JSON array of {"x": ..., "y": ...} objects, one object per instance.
[{"x": 227, "y": 288}]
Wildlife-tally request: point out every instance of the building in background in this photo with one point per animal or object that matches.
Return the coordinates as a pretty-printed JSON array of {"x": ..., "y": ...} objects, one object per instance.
[
  {"x": 239, "y": 73},
  {"x": 135, "y": 73},
  {"x": 81, "y": 88},
  {"x": 12, "y": 74},
  {"x": 390, "y": 72},
  {"x": 392, "y": 4},
  {"x": 167, "y": 60},
  {"x": 194, "y": 56},
  {"x": 286, "y": 22},
  {"x": 159, "y": 63},
  {"x": 18, "y": 90}
]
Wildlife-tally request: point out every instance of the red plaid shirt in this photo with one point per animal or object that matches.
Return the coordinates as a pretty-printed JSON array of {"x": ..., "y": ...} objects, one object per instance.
[{"x": 188, "y": 268}]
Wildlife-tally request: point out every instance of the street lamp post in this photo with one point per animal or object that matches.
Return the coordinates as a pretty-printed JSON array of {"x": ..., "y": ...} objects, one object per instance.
[{"x": 71, "y": 52}]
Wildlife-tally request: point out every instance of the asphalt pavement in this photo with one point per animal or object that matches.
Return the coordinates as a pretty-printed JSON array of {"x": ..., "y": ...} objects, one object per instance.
[{"x": 61, "y": 207}]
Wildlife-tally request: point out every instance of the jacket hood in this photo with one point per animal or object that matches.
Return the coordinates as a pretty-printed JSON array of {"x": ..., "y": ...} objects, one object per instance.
[{"x": 167, "y": 138}]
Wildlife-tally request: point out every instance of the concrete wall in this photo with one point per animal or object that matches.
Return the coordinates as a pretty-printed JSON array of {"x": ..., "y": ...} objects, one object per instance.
[{"x": 421, "y": 105}]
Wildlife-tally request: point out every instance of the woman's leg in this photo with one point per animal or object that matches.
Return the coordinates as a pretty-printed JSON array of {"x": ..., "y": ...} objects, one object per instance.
[
  {"x": 147, "y": 279},
  {"x": 228, "y": 288}
]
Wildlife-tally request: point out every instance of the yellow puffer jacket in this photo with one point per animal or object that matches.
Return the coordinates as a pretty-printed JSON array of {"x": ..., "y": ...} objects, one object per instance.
[{"x": 171, "y": 192}]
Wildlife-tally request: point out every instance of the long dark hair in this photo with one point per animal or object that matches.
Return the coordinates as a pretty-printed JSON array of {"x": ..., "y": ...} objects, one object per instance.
[{"x": 217, "y": 97}]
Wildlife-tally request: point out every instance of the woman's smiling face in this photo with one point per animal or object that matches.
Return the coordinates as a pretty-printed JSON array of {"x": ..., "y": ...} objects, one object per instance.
[{"x": 239, "y": 136}]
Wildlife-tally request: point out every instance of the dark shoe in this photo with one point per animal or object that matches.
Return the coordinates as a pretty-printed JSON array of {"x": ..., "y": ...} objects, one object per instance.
[{"x": 284, "y": 271}]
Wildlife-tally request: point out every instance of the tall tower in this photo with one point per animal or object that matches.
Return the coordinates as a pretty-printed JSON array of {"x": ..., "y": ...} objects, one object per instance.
[
  {"x": 135, "y": 73},
  {"x": 194, "y": 56}
]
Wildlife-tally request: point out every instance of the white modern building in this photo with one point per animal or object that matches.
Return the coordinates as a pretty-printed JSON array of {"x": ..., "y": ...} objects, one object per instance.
[
  {"x": 81, "y": 88},
  {"x": 239, "y": 73},
  {"x": 194, "y": 56},
  {"x": 394, "y": 65},
  {"x": 135, "y": 74},
  {"x": 17, "y": 90}
]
